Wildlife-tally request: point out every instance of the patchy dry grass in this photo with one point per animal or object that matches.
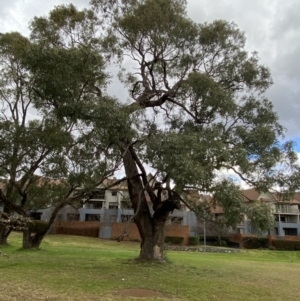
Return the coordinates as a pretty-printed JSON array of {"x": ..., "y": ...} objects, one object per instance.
[{"x": 80, "y": 268}]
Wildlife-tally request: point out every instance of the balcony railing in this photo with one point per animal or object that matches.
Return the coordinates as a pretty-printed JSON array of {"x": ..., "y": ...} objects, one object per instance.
[
  {"x": 287, "y": 211},
  {"x": 287, "y": 222}
]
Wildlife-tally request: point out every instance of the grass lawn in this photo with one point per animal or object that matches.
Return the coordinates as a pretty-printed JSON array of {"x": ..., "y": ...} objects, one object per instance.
[{"x": 81, "y": 268}]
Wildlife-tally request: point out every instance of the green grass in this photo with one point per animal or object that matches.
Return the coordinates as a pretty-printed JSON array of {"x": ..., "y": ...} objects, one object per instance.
[{"x": 81, "y": 268}]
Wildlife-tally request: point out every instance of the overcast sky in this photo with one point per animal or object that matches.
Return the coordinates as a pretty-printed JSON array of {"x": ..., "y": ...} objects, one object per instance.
[{"x": 272, "y": 28}]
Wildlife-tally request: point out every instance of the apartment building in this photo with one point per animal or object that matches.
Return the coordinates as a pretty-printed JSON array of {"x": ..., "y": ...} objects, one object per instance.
[{"x": 286, "y": 213}]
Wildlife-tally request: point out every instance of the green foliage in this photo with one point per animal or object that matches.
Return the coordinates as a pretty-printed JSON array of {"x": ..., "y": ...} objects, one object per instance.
[
  {"x": 287, "y": 245},
  {"x": 255, "y": 243},
  {"x": 193, "y": 240},
  {"x": 174, "y": 240},
  {"x": 217, "y": 88},
  {"x": 223, "y": 243},
  {"x": 261, "y": 216},
  {"x": 272, "y": 248},
  {"x": 57, "y": 82},
  {"x": 36, "y": 226}
]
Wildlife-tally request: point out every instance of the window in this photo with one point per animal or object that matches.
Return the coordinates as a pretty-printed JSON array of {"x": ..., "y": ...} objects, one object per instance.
[
  {"x": 100, "y": 194},
  {"x": 92, "y": 217},
  {"x": 290, "y": 231},
  {"x": 241, "y": 230},
  {"x": 176, "y": 220},
  {"x": 125, "y": 218},
  {"x": 35, "y": 215},
  {"x": 283, "y": 219},
  {"x": 97, "y": 205},
  {"x": 114, "y": 193},
  {"x": 113, "y": 218},
  {"x": 113, "y": 205},
  {"x": 72, "y": 217}
]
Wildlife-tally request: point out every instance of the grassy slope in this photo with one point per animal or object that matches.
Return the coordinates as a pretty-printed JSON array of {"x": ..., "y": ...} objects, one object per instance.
[{"x": 79, "y": 268}]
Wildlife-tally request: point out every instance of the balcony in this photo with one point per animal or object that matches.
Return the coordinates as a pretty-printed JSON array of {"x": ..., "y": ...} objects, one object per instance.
[{"x": 287, "y": 211}]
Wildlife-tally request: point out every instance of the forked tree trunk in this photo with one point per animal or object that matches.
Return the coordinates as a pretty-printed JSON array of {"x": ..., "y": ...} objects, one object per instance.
[
  {"x": 4, "y": 233},
  {"x": 32, "y": 241},
  {"x": 151, "y": 228},
  {"x": 5, "y": 230},
  {"x": 152, "y": 232}
]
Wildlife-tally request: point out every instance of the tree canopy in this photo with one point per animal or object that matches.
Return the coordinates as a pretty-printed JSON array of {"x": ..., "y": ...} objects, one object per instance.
[
  {"x": 44, "y": 156},
  {"x": 195, "y": 106}
]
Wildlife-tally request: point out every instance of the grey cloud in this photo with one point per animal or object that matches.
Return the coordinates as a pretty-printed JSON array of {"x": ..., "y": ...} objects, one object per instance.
[{"x": 272, "y": 27}]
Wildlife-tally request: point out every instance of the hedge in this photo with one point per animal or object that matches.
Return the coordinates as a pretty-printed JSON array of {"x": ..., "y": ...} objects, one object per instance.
[
  {"x": 255, "y": 243},
  {"x": 36, "y": 226},
  {"x": 174, "y": 240},
  {"x": 91, "y": 231},
  {"x": 287, "y": 245},
  {"x": 193, "y": 240}
]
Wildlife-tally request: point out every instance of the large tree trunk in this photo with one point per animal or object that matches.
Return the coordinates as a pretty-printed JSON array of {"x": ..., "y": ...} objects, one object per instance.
[
  {"x": 32, "y": 241},
  {"x": 151, "y": 227},
  {"x": 9, "y": 207},
  {"x": 5, "y": 230}
]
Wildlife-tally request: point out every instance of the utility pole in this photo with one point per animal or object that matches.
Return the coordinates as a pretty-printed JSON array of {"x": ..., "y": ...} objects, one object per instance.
[{"x": 204, "y": 234}]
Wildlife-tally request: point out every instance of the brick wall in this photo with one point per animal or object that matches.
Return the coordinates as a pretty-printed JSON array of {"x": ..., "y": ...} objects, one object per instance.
[
  {"x": 131, "y": 229},
  {"x": 179, "y": 231},
  {"x": 92, "y": 229},
  {"x": 133, "y": 233},
  {"x": 292, "y": 238}
]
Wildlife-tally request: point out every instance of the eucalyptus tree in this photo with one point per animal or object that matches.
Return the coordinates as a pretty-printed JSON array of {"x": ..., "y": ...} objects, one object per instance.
[
  {"x": 195, "y": 106},
  {"x": 44, "y": 157}
]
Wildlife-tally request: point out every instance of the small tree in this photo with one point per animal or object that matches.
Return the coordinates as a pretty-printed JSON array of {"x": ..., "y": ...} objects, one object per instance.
[
  {"x": 260, "y": 214},
  {"x": 43, "y": 161}
]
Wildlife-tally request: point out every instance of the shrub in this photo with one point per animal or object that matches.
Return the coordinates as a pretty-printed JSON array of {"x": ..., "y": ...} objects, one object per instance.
[
  {"x": 193, "y": 240},
  {"x": 223, "y": 243},
  {"x": 174, "y": 240},
  {"x": 36, "y": 226},
  {"x": 251, "y": 243},
  {"x": 255, "y": 243},
  {"x": 287, "y": 245},
  {"x": 264, "y": 242}
]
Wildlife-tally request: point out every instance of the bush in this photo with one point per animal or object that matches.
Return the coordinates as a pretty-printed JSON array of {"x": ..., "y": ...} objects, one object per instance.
[
  {"x": 287, "y": 245},
  {"x": 264, "y": 242},
  {"x": 193, "y": 240},
  {"x": 174, "y": 240},
  {"x": 223, "y": 243},
  {"x": 36, "y": 226},
  {"x": 255, "y": 243},
  {"x": 90, "y": 231}
]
